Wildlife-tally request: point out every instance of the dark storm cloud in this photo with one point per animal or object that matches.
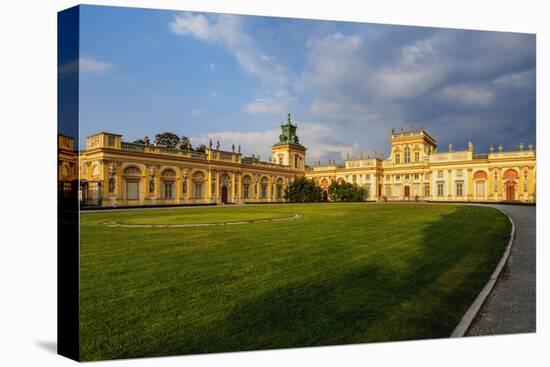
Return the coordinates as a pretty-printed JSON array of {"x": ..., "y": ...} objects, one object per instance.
[{"x": 458, "y": 84}]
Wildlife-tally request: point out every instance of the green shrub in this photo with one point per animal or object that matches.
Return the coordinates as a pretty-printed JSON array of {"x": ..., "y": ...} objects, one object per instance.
[
  {"x": 303, "y": 190},
  {"x": 346, "y": 191}
]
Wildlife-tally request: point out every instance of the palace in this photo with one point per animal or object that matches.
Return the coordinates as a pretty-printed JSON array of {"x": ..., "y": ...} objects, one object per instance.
[
  {"x": 416, "y": 170},
  {"x": 113, "y": 172}
]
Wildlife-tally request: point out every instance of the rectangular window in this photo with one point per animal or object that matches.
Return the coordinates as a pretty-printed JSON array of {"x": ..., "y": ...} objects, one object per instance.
[
  {"x": 407, "y": 155},
  {"x": 132, "y": 190},
  {"x": 367, "y": 191},
  {"x": 198, "y": 190},
  {"x": 427, "y": 189},
  {"x": 416, "y": 176},
  {"x": 397, "y": 190},
  {"x": 367, "y": 177},
  {"x": 388, "y": 191},
  {"x": 439, "y": 174},
  {"x": 398, "y": 177},
  {"x": 417, "y": 156},
  {"x": 416, "y": 189},
  {"x": 459, "y": 189},
  {"x": 480, "y": 189},
  {"x": 459, "y": 173},
  {"x": 168, "y": 193},
  {"x": 397, "y": 159},
  {"x": 440, "y": 189}
]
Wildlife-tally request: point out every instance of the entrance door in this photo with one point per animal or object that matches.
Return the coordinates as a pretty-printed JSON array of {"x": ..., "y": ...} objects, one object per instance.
[
  {"x": 510, "y": 192},
  {"x": 407, "y": 191},
  {"x": 224, "y": 194}
]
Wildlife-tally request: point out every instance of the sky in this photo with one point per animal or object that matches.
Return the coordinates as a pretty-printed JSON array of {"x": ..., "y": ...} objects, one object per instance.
[{"x": 234, "y": 79}]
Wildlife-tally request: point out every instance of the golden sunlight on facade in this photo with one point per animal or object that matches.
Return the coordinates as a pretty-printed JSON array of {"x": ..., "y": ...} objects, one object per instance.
[
  {"x": 116, "y": 173},
  {"x": 416, "y": 170}
]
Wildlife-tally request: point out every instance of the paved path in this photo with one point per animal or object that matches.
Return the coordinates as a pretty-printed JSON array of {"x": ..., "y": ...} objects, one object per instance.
[{"x": 511, "y": 306}]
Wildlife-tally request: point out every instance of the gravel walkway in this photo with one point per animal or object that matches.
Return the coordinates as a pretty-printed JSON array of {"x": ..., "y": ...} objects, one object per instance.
[{"x": 511, "y": 306}]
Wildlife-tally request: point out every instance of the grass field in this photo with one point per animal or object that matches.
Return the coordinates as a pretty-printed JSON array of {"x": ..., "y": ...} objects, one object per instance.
[{"x": 343, "y": 273}]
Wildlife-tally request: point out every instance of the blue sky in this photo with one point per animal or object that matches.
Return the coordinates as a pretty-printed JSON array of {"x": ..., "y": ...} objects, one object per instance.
[{"x": 234, "y": 78}]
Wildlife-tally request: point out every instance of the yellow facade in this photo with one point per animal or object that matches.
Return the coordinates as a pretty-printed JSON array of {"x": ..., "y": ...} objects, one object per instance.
[
  {"x": 117, "y": 173},
  {"x": 416, "y": 170}
]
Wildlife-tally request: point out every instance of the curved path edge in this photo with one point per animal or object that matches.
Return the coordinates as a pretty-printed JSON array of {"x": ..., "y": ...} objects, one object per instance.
[
  {"x": 472, "y": 312},
  {"x": 188, "y": 225}
]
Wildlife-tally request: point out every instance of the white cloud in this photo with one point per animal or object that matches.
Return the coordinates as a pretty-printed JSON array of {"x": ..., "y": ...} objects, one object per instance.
[
  {"x": 333, "y": 64},
  {"x": 467, "y": 95},
  {"x": 321, "y": 141},
  {"x": 524, "y": 79},
  {"x": 229, "y": 32},
  {"x": 262, "y": 105},
  {"x": 196, "y": 112},
  {"x": 417, "y": 52},
  {"x": 405, "y": 82},
  {"x": 196, "y": 25}
]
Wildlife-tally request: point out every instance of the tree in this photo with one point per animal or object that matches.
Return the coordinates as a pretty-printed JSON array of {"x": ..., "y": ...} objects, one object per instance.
[
  {"x": 139, "y": 141},
  {"x": 185, "y": 143},
  {"x": 303, "y": 190},
  {"x": 200, "y": 149},
  {"x": 167, "y": 139},
  {"x": 345, "y": 191}
]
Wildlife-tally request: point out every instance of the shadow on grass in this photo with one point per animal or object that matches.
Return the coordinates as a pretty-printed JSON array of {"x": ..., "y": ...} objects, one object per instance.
[
  {"x": 385, "y": 300},
  {"x": 399, "y": 293}
]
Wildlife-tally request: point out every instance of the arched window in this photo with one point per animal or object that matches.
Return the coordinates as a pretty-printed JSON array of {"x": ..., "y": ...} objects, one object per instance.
[
  {"x": 480, "y": 175},
  {"x": 168, "y": 173},
  {"x": 510, "y": 174},
  {"x": 132, "y": 171},
  {"x": 95, "y": 170},
  {"x": 407, "y": 155}
]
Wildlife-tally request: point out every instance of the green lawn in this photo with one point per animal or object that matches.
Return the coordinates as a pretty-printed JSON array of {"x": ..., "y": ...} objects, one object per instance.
[{"x": 343, "y": 273}]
